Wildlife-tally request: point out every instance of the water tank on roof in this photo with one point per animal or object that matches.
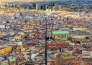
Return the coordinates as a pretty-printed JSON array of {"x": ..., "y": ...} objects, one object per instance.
[{"x": 7, "y": 22}]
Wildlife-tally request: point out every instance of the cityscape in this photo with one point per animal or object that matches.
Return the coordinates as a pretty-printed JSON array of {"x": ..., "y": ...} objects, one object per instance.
[{"x": 46, "y": 32}]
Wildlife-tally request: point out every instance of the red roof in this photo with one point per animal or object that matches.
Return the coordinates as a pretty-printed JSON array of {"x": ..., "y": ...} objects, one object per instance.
[{"x": 38, "y": 32}]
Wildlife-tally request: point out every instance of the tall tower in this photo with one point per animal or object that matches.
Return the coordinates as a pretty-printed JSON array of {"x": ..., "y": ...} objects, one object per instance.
[{"x": 37, "y": 6}]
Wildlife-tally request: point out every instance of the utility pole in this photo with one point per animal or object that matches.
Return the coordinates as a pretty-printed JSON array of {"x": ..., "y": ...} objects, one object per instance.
[{"x": 46, "y": 44}]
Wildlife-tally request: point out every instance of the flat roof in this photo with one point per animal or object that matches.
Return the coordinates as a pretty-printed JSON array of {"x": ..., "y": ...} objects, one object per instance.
[{"x": 60, "y": 32}]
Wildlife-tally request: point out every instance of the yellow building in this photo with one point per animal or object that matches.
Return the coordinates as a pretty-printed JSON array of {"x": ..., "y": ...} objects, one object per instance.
[
  {"x": 6, "y": 50},
  {"x": 17, "y": 37},
  {"x": 0, "y": 32},
  {"x": 21, "y": 33}
]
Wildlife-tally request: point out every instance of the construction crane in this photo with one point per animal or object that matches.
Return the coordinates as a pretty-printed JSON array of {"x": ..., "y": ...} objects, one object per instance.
[
  {"x": 17, "y": 6},
  {"x": 20, "y": 11},
  {"x": 21, "y": 14}
]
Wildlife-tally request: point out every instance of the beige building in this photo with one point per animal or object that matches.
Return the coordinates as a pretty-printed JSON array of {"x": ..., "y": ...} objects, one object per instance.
[
  {"x": 59, "y": 7},
  {"x": 56, "y": 8},
  {"x": 17, "y": 37}
]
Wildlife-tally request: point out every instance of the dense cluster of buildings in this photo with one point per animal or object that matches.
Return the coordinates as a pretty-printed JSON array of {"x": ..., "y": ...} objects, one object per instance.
[{"x": 23, "y": 36}]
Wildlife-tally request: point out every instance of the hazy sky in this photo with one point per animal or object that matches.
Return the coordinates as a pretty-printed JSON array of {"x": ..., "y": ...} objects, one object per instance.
[
  {"x": 28, "y": 0},
  {"x": 38, "y": 0},
  {"x": 17, "y": 0},
  {"x": 23, "y": 0}
]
